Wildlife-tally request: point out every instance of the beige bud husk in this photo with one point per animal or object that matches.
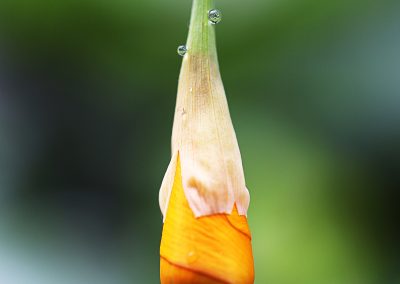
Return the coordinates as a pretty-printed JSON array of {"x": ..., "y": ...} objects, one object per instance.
[{"x": 203, "y": 136}]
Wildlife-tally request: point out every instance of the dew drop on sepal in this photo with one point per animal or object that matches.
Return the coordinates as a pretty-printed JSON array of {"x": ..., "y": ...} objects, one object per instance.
[
  {"x": 182, "y": 49},
  {"x": 214, "y": 16}
]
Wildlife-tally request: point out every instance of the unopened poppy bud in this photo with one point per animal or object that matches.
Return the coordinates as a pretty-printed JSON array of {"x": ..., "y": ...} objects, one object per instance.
[{"x": 203, "y": 196}]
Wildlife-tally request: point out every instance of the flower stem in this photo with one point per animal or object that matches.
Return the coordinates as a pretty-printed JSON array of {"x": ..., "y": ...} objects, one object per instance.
[{"x": 201, "y": 38}]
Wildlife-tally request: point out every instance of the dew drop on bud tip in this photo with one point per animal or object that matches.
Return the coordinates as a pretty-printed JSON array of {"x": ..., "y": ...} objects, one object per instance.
[
  {"x": 214, "y": 16},
  {"x": 182, "y": 49}
]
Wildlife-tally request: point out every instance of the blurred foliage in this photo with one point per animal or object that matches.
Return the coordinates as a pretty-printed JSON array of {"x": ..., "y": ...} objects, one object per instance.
[{"x": 87, "y": 93}]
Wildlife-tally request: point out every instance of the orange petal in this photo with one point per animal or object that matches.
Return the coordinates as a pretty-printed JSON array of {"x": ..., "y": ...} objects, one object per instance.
[
  {"x": 171, "y": 273},
  {"x": 209, "y": 249}
]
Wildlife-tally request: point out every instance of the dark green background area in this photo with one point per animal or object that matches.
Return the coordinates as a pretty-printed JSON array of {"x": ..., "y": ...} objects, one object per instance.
[{"x": 87, "y": 94}]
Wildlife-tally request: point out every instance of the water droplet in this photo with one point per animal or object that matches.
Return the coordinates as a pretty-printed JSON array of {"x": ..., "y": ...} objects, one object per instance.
[
  {"x": 190, "y": 89},
  {"x": 214, "y": 16},
  {"x": 182, "y": 49},
  {"x": 192, "y": 256}
]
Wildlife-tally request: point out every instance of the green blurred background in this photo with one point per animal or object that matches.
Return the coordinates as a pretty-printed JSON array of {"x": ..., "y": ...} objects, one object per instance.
[{"x": 87, "y": 94}]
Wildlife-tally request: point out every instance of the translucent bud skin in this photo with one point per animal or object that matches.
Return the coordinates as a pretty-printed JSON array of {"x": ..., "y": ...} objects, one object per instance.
[{"x": 203, "y": 134}]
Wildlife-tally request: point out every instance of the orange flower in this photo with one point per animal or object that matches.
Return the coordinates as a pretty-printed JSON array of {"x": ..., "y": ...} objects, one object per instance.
[
  {"x": 203, "y": 196},
  {"x": 209, "y": 249}
]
